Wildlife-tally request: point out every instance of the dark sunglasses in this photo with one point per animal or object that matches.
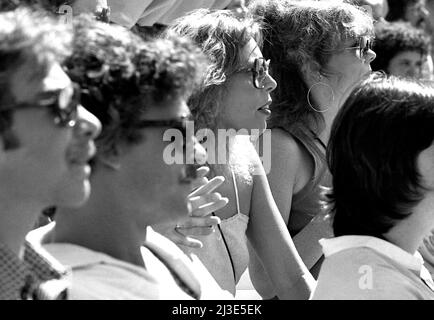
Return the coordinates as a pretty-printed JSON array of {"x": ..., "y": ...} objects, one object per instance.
[
  {"x": 180, "y": 124},
  {"x": 190, "y": 170},
  {"x": 62, "y": 106},
  {"x": 259, "y": 71},
  {"x": 365, "y": 44}
]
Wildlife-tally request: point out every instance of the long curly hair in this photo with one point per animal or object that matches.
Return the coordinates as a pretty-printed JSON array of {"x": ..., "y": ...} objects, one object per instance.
[{"x": 297, "y": 33}]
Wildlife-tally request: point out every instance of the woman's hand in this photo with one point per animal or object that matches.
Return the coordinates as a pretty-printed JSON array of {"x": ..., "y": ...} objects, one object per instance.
[{"x": 202, "y": 202}]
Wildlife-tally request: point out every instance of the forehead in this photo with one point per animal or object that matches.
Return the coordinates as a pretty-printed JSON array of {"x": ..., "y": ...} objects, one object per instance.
[
  {"x": 26, "y": 85},
  {"x": 250, "y": 52}
]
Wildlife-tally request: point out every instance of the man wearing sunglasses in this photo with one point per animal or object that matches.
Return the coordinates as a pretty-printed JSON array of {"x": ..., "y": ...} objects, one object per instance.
[
  {"x": 46, "y": 140},
  {"x": 139, "y": 91}
]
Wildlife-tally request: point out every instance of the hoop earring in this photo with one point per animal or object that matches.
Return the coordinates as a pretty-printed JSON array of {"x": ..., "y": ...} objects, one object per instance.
[{"x": 308, "y": 96}]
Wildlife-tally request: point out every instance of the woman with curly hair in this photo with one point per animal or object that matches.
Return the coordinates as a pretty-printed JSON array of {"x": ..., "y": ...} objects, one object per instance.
[
  {"x": 319, "y": 51},
  {"x": 234, "y": 99}
]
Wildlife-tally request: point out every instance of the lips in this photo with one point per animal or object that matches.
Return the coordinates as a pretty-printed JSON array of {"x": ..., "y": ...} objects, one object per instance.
[
  {"x": 265, "y": 109},
  {"x": 81, "y": 154}
]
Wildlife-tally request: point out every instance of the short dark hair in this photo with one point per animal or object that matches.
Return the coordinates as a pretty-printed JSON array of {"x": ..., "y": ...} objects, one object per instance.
[
  {"x": 121, "y": 76},
  {"x": 375, "y": 140},
  {"x": 396, "y": 37}
]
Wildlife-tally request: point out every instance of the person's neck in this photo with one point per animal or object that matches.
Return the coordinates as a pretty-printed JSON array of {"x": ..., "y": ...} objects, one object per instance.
[
  {"x": 329, "y": 117},
  {"x": 103, "y": 224},
  {"x": 17, "y": 219},
  {"x": 409, "y": 233}
]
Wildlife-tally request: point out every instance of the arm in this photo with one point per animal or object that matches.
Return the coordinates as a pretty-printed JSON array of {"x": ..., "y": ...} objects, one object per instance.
[
  {"x": 291, "y": 169},
  {"x": 272, "y": 243}
]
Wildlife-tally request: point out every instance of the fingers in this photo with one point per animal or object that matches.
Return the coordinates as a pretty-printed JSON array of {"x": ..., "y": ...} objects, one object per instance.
[
  {"x": 209, "y": 207},
  {"x": 197, "y": 231},
  {"x": 202, "y": 171},
  {"x": 200, "y": 177},
  {"x": 181, "y": 239},
  {"x": 198, "y": 226},
  {"x": 199, "y": 222},
  {"x": 197, "y": 183},
  {"x": 208, "y": 187}
]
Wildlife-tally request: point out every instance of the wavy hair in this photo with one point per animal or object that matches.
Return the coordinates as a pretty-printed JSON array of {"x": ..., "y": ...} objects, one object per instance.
[
  {"x": 297, "y": 33},
  {"x": 221, "y": 36}
]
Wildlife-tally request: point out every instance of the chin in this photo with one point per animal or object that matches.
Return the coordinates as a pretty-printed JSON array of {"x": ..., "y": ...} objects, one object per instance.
[{"x": 74, "y": 196}]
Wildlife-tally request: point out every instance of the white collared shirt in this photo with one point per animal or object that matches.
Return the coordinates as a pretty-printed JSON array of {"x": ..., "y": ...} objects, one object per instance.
[{"x": 364, "y": 267}]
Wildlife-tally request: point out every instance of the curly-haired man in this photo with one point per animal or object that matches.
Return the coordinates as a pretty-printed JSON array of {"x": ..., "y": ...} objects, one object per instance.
[{"x": 138, "y": 90}]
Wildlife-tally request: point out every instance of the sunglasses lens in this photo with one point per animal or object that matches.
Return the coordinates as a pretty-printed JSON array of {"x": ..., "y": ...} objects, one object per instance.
[
  {"x": 261, "y": 69},
  {"x": 365, "y": 46},
  {"x": 66, "y": 110}
]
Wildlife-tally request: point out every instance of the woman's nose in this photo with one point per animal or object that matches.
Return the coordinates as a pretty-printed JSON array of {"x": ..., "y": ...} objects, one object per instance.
[{"x": 87, "y": 124}]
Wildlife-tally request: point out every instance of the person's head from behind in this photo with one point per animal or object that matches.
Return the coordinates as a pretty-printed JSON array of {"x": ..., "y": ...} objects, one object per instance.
[
  {"x": 138, "y": 90},
  {"x": 319, "y": 50},
  {"x": 412, "y": 11},
  {"x": 235, "y": 93},
  {"x": 381, "y": 157},
  {"x": 46, "y": 136},
  {"x": 402, "y": 50}
]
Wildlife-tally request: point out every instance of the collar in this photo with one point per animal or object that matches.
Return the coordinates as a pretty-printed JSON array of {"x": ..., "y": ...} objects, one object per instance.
[
  {"x": 393, "y": 252},
  {"x": 385, "y": 248}
]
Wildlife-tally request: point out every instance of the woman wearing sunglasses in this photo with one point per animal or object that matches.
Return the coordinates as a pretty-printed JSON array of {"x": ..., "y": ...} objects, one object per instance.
[
  {"x": 235, "y": 96},
  {"x": 316, "y": 66}
]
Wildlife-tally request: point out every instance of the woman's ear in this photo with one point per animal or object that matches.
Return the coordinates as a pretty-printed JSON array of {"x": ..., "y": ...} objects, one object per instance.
[{"x": 311, "y": 73}]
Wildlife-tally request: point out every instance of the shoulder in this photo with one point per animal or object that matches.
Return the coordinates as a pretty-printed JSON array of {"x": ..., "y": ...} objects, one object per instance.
[
  {"x": 362, "y": 274},
  {"x": 285, "y": 146}
]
